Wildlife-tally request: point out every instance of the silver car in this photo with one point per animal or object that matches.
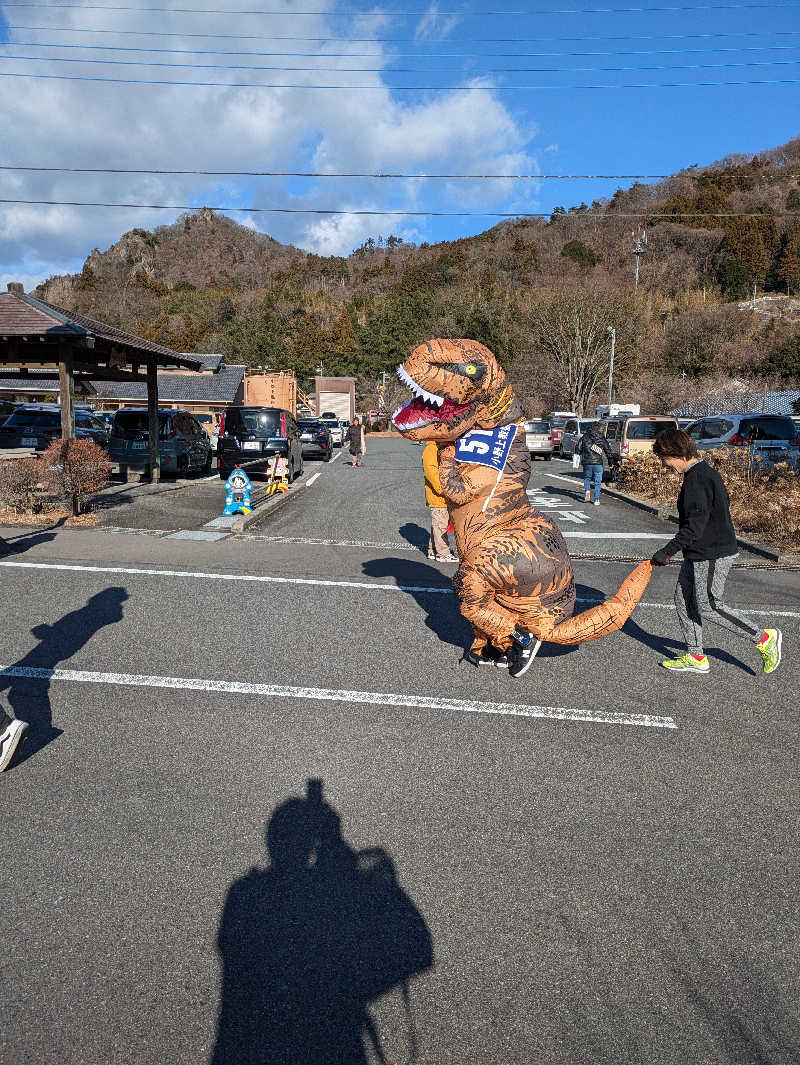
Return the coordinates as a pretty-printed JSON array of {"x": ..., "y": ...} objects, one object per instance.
[
  {"x": 770, "y": 437},
  {"x": 539, "y": 439},
  {"x": 573, "y": 431}
]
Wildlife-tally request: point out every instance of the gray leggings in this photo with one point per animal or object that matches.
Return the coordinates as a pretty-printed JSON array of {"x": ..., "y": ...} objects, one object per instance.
[{"x": 699, "y": 597}]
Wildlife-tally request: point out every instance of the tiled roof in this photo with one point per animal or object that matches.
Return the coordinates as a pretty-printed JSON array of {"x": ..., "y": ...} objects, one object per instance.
[
  {"x": 26, "y": 315},
  {"x": 208, "y": 362},
  {"x": 20, "y": 318},
  {"x": 220, "y": 387}
]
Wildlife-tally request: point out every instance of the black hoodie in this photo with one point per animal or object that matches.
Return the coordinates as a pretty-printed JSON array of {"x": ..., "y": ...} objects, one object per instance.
[
  {"x": 704, "y": 518},
  {"x": 592, "y": 445}
]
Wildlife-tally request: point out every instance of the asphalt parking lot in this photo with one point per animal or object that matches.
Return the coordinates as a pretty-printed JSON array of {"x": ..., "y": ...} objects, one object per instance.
[{"x": 595, "y": 864}]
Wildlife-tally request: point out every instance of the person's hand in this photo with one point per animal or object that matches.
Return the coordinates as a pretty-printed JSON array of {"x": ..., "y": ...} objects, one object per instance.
[{"x": 660, "y": 558}]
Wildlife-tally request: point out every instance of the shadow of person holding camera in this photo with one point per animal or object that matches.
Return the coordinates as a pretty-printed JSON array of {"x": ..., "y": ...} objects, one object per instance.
[
  {"x": 27, "y": 681},
  {"x": 307, "y": 944}
]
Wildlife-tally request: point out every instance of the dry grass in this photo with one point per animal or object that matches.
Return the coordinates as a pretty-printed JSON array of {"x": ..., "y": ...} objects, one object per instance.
[
  {"x": 9, "y": 516},
  {"x": 765, "y": 502}
]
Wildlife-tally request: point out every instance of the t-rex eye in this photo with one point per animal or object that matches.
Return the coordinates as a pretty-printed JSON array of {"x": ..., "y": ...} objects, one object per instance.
[{"x": 474, "y": 370}]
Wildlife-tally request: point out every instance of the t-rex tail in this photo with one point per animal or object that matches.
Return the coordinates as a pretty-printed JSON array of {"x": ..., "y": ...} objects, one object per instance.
[{"x": 606, "y": 617}]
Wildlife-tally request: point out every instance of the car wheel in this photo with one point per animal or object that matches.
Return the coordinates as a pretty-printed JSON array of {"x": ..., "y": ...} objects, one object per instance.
[
  {"x": 547, "y": 458},
  {"x": 224, "y": 473}
]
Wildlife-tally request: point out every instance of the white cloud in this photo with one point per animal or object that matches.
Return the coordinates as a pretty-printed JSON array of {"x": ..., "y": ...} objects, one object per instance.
[
  {"x": 92, "y": 124},
  {"x": 435, "y": 26}
]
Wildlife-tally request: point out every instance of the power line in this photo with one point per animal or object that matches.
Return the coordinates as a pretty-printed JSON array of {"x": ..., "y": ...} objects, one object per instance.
[
  {"x": 407, "y": 40},
  {"x": 317, "y": 174},
  {"x": 397, "y": 70},
  {"x": 402, "y": 88},
  {"x": 402, "y": 213},
  {"x": 390, "y": 56},
  {"x": 412, "y": 14}
]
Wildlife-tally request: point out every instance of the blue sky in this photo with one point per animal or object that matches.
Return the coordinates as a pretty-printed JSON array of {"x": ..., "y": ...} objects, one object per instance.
[{"x": 491, "y": 92}]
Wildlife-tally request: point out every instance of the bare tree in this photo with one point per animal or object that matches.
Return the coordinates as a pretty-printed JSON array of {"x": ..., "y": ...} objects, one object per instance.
[{"x": 572, "y": 328}]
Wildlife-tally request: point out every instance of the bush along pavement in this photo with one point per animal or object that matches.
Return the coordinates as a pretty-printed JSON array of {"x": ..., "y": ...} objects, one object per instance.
[
  {"x": 765, "y": 499},
  {"x": 73, "y": 470},
  {"x": 19, "y": 485}
]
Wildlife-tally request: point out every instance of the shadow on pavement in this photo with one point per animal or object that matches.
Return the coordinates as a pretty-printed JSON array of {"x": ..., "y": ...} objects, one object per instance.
[
  {"x": 29, "y": 696},
  {"x": 416, "y": 535},
  {"x": 308, "y": 943},
  {"x": 17, "y": 545},
  {"x": 442, "y": 614}
]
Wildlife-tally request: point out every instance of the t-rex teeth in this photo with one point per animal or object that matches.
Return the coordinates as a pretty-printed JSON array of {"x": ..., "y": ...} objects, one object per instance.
[{"x": 418, "y": 390}]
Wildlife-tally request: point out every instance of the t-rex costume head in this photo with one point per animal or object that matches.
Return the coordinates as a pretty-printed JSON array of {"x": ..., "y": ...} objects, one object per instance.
[
  {"x": 515, "y": 567},
  {"x": 458, "y": 386}
]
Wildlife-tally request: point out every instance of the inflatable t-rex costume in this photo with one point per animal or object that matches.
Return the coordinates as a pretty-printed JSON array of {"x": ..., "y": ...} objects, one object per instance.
[{"x": 515, "y": 566}]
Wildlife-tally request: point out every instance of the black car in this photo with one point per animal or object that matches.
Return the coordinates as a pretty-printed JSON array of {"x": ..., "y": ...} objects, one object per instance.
[
  {"x": 316, "y": 439},
  {"x": 37, "y": 425},
  {"x": 249, "y": 436}
]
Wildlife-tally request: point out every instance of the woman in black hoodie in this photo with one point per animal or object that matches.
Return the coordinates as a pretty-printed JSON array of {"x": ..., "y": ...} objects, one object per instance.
[{"x": 591, "y": 447}]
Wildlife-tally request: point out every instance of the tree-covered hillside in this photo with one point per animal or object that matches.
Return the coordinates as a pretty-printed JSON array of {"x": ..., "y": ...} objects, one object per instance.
[{"x": 541, "y": 293}]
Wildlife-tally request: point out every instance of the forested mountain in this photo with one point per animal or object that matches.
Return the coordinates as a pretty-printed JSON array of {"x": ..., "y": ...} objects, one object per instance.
[{"x": 541, "y": 293}]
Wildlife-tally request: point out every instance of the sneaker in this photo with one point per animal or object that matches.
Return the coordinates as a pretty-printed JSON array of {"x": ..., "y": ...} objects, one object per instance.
[
  {"x": 597, "y": 502},
  {"x": 431, "y": 556},
  {"x": 489, "y": 656},
  {"x": 523, "y": 650},
  {"x": 687, "y": 664},
  {"x": 446, "y": 558},
  {"x": 771, "y": 649},
  {"x": 12, "y": 735}
]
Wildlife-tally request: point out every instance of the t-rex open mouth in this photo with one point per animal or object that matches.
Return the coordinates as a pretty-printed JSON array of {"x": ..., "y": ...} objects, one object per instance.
[
  {"x": 425, "y": 407},
  {"x": 417, "y": 412}
]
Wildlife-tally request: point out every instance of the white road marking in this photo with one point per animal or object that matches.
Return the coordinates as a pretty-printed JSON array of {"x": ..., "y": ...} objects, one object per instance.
[
  {"x": 280, "y": 691},
  {"x": 333, "y": 543},
  {"x": 311, "y": 480},
  {"x": 249, "y": 577},
  {"x": 259, "y": 578},
  {"x": 615, "y": 536},
  {"x": 577, "y": 479}
]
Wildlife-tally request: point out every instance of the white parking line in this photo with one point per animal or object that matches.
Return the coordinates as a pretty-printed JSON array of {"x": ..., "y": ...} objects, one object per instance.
[
  {"x": 258, "y": 578},
  {"x": 311, "y": 480},
  {"x": 280, "y": 691}
]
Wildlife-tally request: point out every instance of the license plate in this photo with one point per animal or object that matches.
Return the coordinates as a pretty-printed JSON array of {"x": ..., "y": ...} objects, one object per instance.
[
  {"x": 28, "y": 441},
  {"x": 139, "y": 445},
  {"x": 306, "y": 436},
  {"x": 251, "y": 445}
]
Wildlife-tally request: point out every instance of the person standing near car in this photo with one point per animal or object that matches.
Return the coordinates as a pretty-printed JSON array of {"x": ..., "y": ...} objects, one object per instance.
[
  {"x": 357, "y": 440},
  {"x": 591, "y": 447},
  {"x": 708, "y": 542},
  {"x": 438, "y": 547}
]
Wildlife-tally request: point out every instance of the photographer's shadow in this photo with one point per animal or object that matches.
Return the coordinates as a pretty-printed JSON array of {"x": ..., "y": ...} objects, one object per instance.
[{"x": 307, "y": 944}]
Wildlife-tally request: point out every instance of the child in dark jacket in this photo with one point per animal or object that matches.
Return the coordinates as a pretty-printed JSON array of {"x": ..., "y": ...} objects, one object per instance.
[{"x": 706, "y": 538}]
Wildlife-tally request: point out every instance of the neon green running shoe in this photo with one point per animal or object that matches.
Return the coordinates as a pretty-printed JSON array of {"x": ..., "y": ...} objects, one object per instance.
[
  {"x": 687, "y": 664},
  {"x": 771, "y": 650}
]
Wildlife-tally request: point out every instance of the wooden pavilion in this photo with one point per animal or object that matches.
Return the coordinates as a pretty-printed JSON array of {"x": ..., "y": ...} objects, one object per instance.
[{"x": 34, "y": 336}]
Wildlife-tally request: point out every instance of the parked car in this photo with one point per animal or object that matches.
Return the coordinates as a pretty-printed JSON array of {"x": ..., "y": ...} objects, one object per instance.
[
  {"x": 249, "y": 436},
  {"x": 684, "y": 423},
  {"x": 183, "y": 445},
  {"x": 539, "y": 439},
  {"x": 629, "y": 436},
  {"x": 334, "y": 427},
  {"x": 207, "y": 421},
  {"x": 37, "y": 425},
  {"x": 316, "y": 439},
  {"x": 574, "y": 429},
  {"x": 770, "y": 437},
  {"x": 558, "y": 419}
]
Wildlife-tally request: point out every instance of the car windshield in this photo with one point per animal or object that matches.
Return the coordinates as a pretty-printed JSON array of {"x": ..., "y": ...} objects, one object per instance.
[
  {"x": 137, "y": 421},
  {"x": 537, "y": 427},
  {"x": 36, "y": 419},
  {"x": 585, "y": 425},
  {"x": 261, "y": 421},
  {"x": 204, "y": 419},
  {"x": 648, "y": 430}
]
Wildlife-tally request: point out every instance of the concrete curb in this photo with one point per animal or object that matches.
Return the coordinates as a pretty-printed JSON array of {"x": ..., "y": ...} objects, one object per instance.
[{"x": 267, "y": 506}]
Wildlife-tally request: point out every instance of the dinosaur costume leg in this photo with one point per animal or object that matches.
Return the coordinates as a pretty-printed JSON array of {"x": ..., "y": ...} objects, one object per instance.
[{"x": 490, "y": 621}]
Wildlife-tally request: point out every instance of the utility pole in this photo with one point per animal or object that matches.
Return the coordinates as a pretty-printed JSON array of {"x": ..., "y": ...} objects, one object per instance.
[
  {"x": 639, "y": 245},
  {"x": 613, "y": 333}
]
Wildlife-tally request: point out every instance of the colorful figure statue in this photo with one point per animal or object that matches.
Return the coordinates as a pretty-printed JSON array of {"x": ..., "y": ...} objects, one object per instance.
[
  {"x": 515, "y": 583},
  {"x": 238, "y": 493}
]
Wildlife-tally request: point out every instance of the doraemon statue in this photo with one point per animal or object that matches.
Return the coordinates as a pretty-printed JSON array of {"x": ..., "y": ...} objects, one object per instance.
[{"x": 238, "y": 493}]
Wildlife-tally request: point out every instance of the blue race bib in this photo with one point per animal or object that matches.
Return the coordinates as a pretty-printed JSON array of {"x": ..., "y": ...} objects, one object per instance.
[{"x": 487, "y": 447}]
